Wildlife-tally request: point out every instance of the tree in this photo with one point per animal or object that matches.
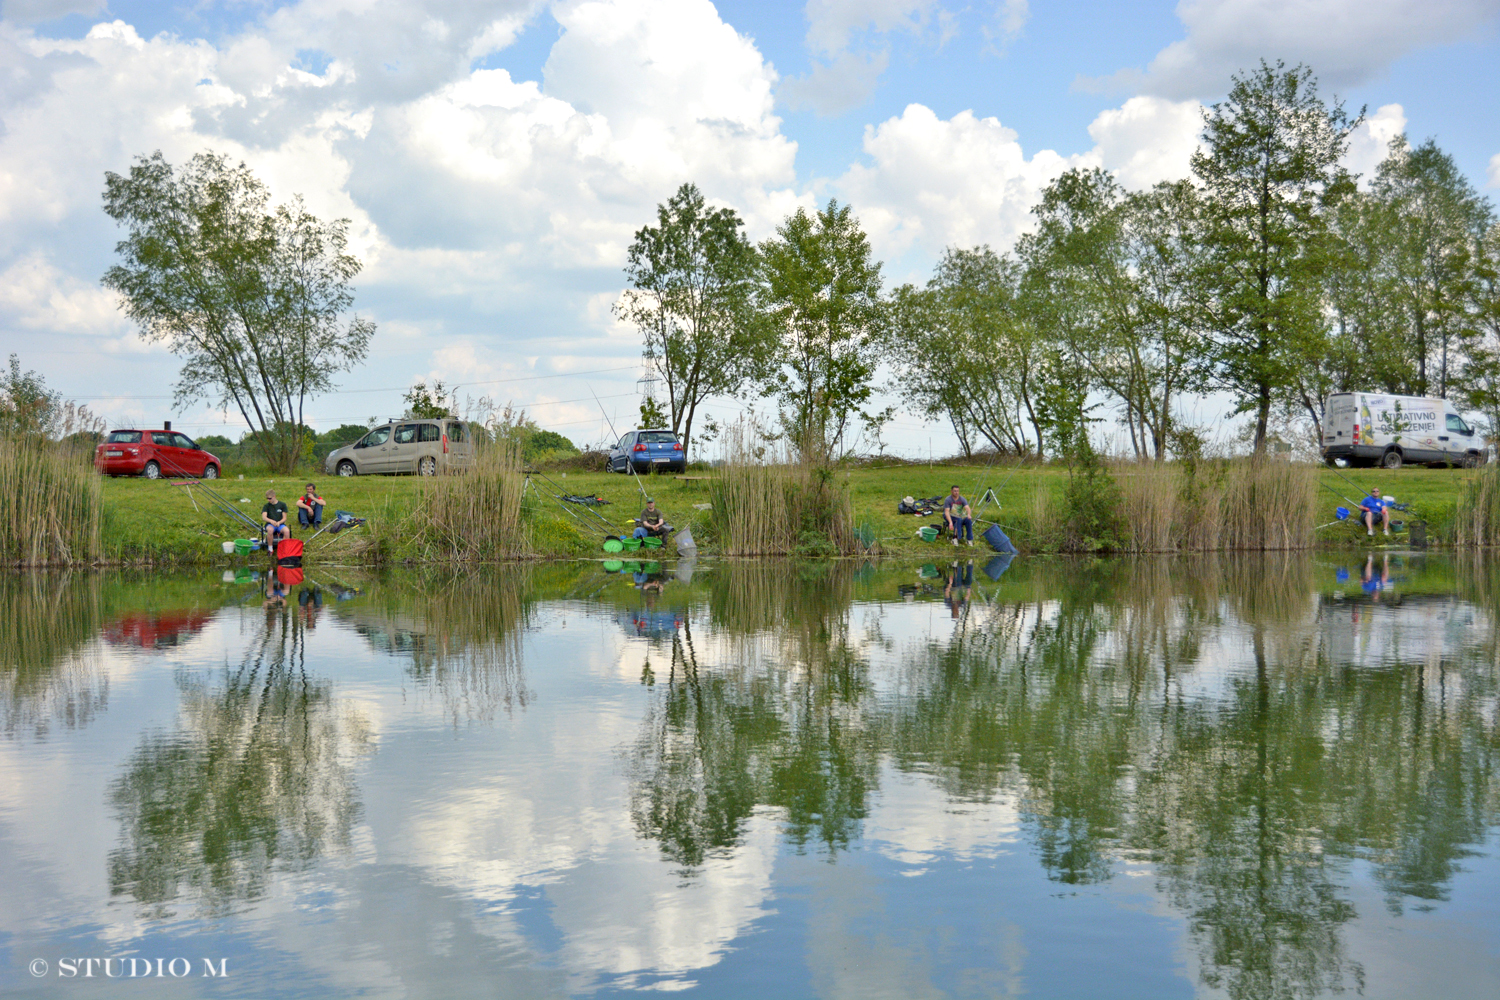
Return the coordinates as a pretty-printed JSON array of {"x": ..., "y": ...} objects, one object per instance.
[
  {"x": 693, "y": 279},
  {"x": 1270, "y": 175},
  {"x": 252, "y": 299},
  {"x": 27, "y": 406},
  {"x": 1434, "y": 217},
  {"x": 822, "y": 292},
  {"x": 429, "y": 404},
  {"x": 1109, "y": 269},
  {"x": 983, "y": 376}
]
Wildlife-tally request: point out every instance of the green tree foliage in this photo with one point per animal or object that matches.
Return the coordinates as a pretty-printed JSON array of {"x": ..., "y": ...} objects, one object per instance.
[
  {"x": 1269, "y": 167},
  {"x": 541, "y": 442},
  {"x": 27, "y": 406},
  {"x": 1482, "y": 370},
  {"x": 652, "y": 415},
  {"x": 822, "y": 292},
  {"x": 965, "y": 349},
  {"x": 343, "y": 434},
  {"x": 1109, "y": 271},
  {"x": 429, "y": 403},
  {"x": 212, "y": 441},
  {"x": 693, "y": 297},
  {"x": 252, "y": 299}
]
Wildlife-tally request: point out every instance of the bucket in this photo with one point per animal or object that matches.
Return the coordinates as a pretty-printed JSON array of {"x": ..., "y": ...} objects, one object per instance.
[
  {"x": 613, "y": 565},
  {"x": 651, "y": 542},
  {"x": 630, "y": 544},
  {"x": 229, "y": 548},
  {"x": 245, "y": 546},
  {"x": 927, "y": 533},
  {"x": 613, "y": 545}
]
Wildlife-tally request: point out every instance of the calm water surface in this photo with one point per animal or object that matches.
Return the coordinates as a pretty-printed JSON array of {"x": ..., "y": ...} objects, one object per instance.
[{"x": 1248, "y": 777}]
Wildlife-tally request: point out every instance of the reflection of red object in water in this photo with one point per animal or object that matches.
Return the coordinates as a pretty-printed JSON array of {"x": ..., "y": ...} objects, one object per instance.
[
  {"x": 155, "y": 631},
  {"x": 289, "y": 577}
]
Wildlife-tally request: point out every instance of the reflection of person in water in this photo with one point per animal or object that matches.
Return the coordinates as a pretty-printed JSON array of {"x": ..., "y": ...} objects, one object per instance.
[
  {"x": 311, "y": 601},
  {"x": 275, "y": 592},
  {"x": 956, "y": 591},
  {"x": 1370, "y": 582}
]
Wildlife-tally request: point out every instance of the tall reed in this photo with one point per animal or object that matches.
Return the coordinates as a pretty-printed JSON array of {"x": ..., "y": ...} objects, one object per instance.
[
  {"x": 1477, "y": 522},
  {"x": 51, "y": 506},
  {"x": 767, "y": 503},
  {"x": 475, "y": 515},
  {"x": 1203, "y": 506}
]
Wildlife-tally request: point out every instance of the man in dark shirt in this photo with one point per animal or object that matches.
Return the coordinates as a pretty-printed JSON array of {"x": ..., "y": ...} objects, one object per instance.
[
  {"x": 959, "y": 515},
  {"x": 652, "y": 522},
  {"x": 274, "y": 515}
]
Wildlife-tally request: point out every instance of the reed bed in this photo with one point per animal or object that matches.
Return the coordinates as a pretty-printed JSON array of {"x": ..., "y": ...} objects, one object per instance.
[
  {"x": 49, "y": 672},
  {"x": 477, "y": 515},
  {"x": 1477, "y": 522},
  {"x": 1216, "y": 506},
  {"x": 51, "y": 506},
  {"x": 765, "y": 503}
]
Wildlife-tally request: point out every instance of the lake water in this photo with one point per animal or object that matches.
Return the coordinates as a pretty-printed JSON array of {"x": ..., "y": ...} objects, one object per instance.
[{"x": 1249, "y": 777}]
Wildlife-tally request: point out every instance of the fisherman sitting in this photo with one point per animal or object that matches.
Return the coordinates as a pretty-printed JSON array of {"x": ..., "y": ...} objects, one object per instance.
[
  {"x": 652, "y": 522},
  {"x": 958, "y": 515},
  {"x": 1375, "y": 509},
  {"x": 310, "y": 508},
  {"x": 273, "y": 514}
]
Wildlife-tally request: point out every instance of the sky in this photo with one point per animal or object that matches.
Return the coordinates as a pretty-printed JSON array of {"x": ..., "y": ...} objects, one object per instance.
[{"x": 495, "y": 158}]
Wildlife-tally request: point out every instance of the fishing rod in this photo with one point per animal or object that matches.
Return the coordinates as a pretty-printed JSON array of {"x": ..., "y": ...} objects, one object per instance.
[
  {"x": 604, "y": 522},
  {"x": 628, "y": 463}
]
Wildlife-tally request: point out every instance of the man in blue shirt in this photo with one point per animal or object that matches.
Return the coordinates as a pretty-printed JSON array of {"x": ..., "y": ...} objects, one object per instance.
[
  {"x": 1374, "y": 508},
  {"x": 959, "y": 515}
]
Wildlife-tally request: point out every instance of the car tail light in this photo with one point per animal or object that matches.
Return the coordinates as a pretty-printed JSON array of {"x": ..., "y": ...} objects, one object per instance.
[
  {"x": 676, "y": 445},
  {"x": 640, "y": 447},
  {"x": 1356, "y": 433},
  {"x": 445, "y": 451}
]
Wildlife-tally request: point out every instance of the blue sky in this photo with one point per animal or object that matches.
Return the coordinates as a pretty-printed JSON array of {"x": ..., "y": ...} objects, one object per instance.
[{"x": 494, "y": 158}]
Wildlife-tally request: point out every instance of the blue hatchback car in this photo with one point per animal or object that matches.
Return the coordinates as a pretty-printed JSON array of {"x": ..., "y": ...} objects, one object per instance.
[{"x": 648, "y": 451}]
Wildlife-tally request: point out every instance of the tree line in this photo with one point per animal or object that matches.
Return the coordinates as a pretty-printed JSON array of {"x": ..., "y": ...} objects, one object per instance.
[{"x": 1271, "y": 275}]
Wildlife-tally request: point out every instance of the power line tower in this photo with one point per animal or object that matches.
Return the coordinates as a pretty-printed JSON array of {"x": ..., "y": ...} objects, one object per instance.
[{"x": 646, "y": 385}]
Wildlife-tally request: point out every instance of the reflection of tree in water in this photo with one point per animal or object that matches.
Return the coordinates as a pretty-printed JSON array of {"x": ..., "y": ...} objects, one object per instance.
[
  {"x": 257, "y": 778},
  {"x": 784, "y": 729},
  {"x": 1251, "y": 792},
  {"x": 49, "y": 672},
  {"x": 461, "y": 633}
]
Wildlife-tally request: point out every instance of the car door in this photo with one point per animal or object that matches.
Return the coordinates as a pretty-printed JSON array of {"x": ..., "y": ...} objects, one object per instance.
[
  {"x": 1457, "y": 439},
  {"x": 404, "y": 448},
  {"x": 371, "y": 454},
  {"x": 189, "y": 454},
  {"x": 619, "y": 455},
  {"x": 168, "y": 454}
]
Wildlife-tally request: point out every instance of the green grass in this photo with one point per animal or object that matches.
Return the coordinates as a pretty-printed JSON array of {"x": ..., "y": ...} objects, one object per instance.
[{"x": 155, "y": 522}]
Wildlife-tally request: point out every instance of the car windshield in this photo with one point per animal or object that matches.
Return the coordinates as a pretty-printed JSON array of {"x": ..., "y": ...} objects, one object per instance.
[
  {"x": 657, "y": 437},
  {"x": 124, "y": 437}
]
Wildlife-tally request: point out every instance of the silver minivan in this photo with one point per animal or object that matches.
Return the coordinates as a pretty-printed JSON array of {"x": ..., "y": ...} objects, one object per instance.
[{"x": 424, "y": 447}]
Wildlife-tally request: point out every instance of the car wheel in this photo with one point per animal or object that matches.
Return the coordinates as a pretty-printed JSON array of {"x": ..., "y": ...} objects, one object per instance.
[
  {"x": 427, "y": 466},
  {"x": 210, "y": 471},
  {"x": 1391, "y": 460},
  {"x": 1471, "y": 461},
  {"x": 153, "y": 471},
  {"x": 346, "y": 468}
]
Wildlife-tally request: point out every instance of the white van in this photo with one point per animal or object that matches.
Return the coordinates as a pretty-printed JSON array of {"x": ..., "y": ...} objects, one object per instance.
[{"x": 1366, "y": 428}]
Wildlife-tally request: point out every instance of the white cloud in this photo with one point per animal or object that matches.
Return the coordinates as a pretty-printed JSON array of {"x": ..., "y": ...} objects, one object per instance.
[
  {"x": 1370, "y": 143},
  {"x": 36, "y": 296},
  {"x": 846, "y": 38},
  {"x": 1009, "y": 17},
  {"x": 933, "y": 182},
  {"x": 832, "y": 88},
  {"x": 1346, "y": 42},
  {"x": 831, "y": 24},
  {"x": 27, "y": 11},
  {"x": 1148, "y": 139},
  {"x": 1494, "y": 171}
]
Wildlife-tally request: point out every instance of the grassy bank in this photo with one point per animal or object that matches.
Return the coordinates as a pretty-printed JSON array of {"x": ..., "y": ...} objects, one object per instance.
[{"x": 156, "y": 522}]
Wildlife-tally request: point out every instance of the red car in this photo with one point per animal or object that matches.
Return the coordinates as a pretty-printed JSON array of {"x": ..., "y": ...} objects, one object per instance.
[{"x": 154, "y": 454}]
